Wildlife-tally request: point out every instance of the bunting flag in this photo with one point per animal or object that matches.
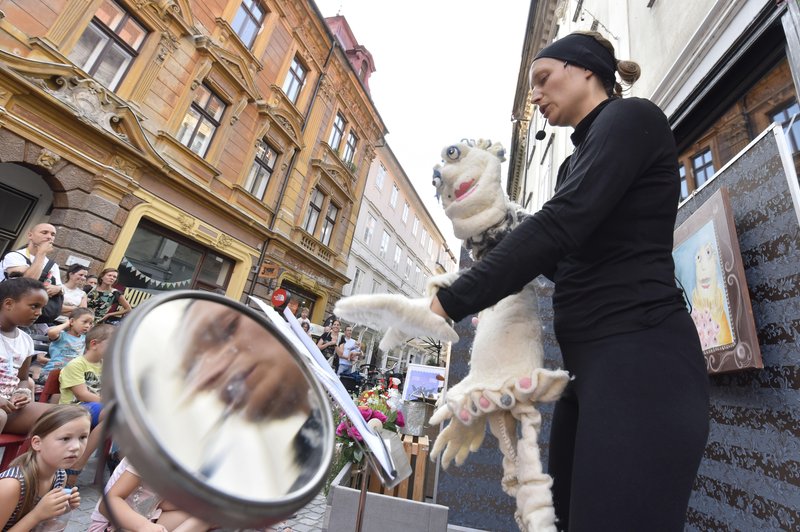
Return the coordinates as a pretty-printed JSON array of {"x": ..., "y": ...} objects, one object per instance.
[{"x": 125, "y": 263}]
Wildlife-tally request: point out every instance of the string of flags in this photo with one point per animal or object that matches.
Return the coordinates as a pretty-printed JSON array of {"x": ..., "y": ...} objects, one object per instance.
[{"x": 146, "y": 278}]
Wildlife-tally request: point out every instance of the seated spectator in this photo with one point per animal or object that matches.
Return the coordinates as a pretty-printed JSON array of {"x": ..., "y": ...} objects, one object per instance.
[
  {"x": 137, "y": 507},
  {"x": 79, "y": 383},
  {"x": 21, "y": 302},
  {"x": 74, "y": 296},
  {"x": 67, "y": 341},
  {"x": 106, "y": 301}
]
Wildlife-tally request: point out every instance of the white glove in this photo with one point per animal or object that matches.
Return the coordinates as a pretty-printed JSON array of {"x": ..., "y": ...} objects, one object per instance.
[{"x": 405, "y": 318}]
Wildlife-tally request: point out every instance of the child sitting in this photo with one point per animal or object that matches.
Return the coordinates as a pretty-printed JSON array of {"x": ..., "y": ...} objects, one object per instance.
[
  {"x": 135, "y": 507},
  {"x": 79, "y": 383},
  {"x": 32, "y": 489},
  {"x": 21, "y": 302},
  {"x": 67, "y": 340}
]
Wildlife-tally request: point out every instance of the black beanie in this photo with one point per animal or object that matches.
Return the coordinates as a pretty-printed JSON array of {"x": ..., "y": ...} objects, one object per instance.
[{"x": 585, "y": 51}]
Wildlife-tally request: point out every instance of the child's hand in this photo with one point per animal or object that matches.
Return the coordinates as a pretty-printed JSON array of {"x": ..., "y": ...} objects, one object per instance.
[
  {"x": 52, "y": 504},
  {"x": 7, "y": 405},
  {"x": 152, "y": 527},
  {"x": 74, "y": 498}
]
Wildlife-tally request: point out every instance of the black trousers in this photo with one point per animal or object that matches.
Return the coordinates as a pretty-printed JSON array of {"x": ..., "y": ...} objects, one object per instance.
[{"x": 629, "y": 433}]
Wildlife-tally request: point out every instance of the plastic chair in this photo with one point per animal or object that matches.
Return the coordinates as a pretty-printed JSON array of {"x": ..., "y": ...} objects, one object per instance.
[
  {"x": 51, "y": 386},
  {"x": 12, "y": 445}
]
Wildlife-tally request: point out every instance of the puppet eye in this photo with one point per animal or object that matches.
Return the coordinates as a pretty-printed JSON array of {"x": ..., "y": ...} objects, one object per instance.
[{"x": 453, "y": 153}]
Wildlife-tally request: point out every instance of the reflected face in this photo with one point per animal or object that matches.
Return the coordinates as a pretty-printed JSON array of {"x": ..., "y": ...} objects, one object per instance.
[{"x": 235, "y": 356}]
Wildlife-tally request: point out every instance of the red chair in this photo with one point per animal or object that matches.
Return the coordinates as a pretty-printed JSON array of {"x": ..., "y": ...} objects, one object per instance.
[
  {"x": 12, "y": 445},
  {"x": 51, "y": 386}
]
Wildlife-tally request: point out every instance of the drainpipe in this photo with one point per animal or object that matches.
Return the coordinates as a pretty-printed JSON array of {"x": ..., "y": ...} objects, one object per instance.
[{"x": 290, "y": 168}]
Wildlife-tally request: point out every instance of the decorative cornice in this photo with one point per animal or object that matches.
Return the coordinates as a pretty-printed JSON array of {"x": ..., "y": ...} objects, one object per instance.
[
  {"x": 230, "y": 64},
  {"x": 47, "y": 159}
]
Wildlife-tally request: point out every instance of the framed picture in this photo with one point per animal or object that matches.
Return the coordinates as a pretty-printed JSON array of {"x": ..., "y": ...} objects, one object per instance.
[
  {"x": 708, "y": 267},
  {"x": 422, "y": 383}
]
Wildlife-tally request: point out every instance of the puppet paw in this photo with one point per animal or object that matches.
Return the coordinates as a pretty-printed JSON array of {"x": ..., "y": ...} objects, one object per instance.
[{"x": 457, "y": 441}]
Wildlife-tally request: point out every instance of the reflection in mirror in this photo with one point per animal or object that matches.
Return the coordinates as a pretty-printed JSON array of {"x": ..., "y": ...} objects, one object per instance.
[{"x": 228, "y": 408}]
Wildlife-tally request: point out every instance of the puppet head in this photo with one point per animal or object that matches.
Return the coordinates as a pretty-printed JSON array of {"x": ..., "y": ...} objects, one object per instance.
[{"x": 468, "y": 183}]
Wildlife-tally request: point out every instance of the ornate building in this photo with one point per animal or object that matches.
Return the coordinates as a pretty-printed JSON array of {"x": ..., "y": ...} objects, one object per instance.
[{"x": 213, "y": 145}]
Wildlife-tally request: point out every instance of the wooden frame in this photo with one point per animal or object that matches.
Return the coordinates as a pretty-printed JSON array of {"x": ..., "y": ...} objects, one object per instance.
[{"x": 708, "y": 266}]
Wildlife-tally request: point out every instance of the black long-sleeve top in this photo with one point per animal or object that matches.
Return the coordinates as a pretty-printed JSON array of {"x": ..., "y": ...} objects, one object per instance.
[{"x": 605, "y": 238}]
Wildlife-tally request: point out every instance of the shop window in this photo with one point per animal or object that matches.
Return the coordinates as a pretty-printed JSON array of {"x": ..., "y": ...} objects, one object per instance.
[
  {"x": 337, "y": 132},
  {"x": 703, "y": 167},
  {"x": 329, "y": 223},
  {"x": 261, "y": 171},
  {"x": 303, "y": 297},
  {"x": 295, "y": 79},
  {"x": 784, "y": 117},
  {"x": 158, "y": 260},
  {"x": 248, "y": 21},
  {"x": 201, "y": 120},
  {"x": 350, "y": 147},
  {"x": 313, "y": 212},
  {"x": 109, "y": 44}
]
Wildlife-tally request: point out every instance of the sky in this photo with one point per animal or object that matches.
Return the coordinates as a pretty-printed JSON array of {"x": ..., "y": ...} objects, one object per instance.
[{"x": 445, "y": 70}]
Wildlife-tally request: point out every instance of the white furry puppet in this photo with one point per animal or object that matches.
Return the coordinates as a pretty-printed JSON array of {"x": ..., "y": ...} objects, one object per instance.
[{"x": 506, "y": 377}]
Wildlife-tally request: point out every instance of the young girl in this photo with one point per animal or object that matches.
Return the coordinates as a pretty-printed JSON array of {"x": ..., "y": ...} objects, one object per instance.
[
  {"x": 105, "y": 296},
  {"x": 32, "y": 489},
  {"x": 135, "y": 507},
  {"x": 21, "y": 302},
  {"x": 67, "y": 341}
]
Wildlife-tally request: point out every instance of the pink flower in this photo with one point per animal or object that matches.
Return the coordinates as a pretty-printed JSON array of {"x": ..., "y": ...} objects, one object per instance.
[
  {"x": 366, "y": 413},
  {"x": 354, "y": 434},
  {"x": 341, "y": 430},
  {"x": 400, "y": 421},
  {"x": 380, "y": 416}
]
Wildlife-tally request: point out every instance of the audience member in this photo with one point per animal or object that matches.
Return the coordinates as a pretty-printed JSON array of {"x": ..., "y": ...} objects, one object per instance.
[
  {"x": 327, "y": 344},
  {"x": 347, "y": 351},
  {"x": 67, "y": 341},
  {"x": 74, "y": 295},
  {"x": 304, "y": 316},
  {"x": 90, "y": 284},
  {"x": 106, "y": 301}
]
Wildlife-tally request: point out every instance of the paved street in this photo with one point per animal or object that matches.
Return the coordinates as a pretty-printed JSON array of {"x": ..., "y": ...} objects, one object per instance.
[{"x": 308, "y": 519}]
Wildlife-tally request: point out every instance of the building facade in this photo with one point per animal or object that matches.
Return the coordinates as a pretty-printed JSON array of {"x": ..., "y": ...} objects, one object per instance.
[
  {"x": 219, "y": 145},
  {"x": 396, "y": 249}
]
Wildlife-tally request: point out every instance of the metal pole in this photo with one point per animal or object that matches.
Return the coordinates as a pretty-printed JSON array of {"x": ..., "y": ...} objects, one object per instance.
[{"x": 362, "y": 498}]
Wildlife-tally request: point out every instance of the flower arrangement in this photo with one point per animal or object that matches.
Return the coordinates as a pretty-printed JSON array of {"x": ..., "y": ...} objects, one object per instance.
[{"x": 380, "y": 409}]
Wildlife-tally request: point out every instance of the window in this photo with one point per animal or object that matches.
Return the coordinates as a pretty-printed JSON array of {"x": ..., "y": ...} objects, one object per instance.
[
  {"x": 393, "y": 199},
  {"x": 380, "y": 176},
  {"x": 384, "y": 245},
  {"x": 248, "y": 21},
  {"x": 295, "y": 79},
  {"x": 417, "y": 276},
  {"x": 369, "y": 230},
  {"x": 261, "y": 171},
  {"x": 329, "y": 223},
  {"x": 415, "y": 227},
  {"x": 409, "y": 264},
  {"x": 350, "y": 147},
  {"x": 405, "y": 212},
  {"x": 684, "y": 184},
  {"x": 337, "y": 132},
  {"x": 424, "y": 237},
  {"x": 158, "y": 260},
  {"x": 430, "y": 246},
  {"x": 201, "y": 121},
  {"x": 376, "y": 286},
  {"x": 357, "y": 279},
  {"x": 398, "y": 251},
  {"x": 703, "y": 167},
  {"x": 314, "y": 209},
  {"x": 784, "y": 118},
  {"x": 109, "y": 44}
]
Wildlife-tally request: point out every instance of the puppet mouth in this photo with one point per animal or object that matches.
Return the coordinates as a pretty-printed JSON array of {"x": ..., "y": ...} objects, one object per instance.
[{"x": 465, "y": 189}]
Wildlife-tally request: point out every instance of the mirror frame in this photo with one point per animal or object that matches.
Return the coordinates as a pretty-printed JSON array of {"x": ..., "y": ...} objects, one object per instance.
[{"x": 129, "y": 423}]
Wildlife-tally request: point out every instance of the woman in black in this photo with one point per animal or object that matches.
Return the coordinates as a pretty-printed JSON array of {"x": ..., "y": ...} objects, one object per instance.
[{"x": 629, "y": 433}]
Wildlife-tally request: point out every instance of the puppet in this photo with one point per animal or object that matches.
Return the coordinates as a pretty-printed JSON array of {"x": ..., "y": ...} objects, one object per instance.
[{"x": 507, "y": 378}]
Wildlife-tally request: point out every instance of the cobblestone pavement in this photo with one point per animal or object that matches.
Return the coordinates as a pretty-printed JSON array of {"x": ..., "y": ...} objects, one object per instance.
[{"x": 308, "y": 519}]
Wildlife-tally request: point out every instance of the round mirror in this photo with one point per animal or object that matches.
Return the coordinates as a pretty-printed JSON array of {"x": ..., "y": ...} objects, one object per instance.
[{"x": 216, "y": 411}]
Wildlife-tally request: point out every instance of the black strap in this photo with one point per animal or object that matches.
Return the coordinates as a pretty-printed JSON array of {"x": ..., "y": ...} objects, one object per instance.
[{"x": 46, "y": 270}]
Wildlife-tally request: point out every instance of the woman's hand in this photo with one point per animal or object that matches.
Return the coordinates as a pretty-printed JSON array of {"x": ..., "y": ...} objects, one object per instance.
[
  {"x": 53, "y": 503},
  {"x": 20, "y": 400},
  {"x": 7, "y": 405}
]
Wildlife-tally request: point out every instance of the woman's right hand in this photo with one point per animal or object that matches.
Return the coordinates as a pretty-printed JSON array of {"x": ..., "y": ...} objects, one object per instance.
[{"x": 52, "y": 504}]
